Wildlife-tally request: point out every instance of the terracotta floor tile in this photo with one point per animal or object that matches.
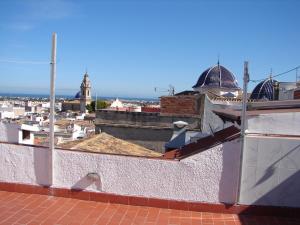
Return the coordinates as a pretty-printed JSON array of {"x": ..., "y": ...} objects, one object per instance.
[
  {"x": 196, "y": 219},
  {"x": 207, "y": 215},
  {"x": 186, "y": 221},
  {"x": 49, "y": 221},
  {"x": 25, "y": 219},
  {"x": 102, "y": 220},
  {"x": 33, "y": 209},
  {"x": 34, "y": 223},
  {"x": 219, "y": 222},
  {"x": 175, "y": 221}
]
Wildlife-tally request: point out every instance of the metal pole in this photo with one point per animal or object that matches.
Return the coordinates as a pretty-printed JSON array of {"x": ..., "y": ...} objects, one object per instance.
[
  {"x": 243, "y": 125},
  {"x": 96, "y": 103},
  {"x": 52, "y": 106},
  {"x": 245, "y": 97}
]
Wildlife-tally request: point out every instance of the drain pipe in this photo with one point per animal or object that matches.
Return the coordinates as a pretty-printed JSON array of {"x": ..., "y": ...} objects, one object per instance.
[
  {"x": 243, "y": 128},
  {"x": 52, "y": 108}
]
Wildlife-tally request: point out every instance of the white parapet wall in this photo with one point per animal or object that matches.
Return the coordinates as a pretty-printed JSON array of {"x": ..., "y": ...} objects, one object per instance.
[
  {"x": 275, "y": 123},
  {"x": 271, "y": 171},
  {"x": 23, "y": 164},
  {"x": 209, "y": 176}
]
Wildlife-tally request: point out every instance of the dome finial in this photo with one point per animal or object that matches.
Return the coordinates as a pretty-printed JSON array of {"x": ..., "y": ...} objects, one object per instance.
[
  {"x": 271, "y": 74},
  {"x": 218, "y": 59}
]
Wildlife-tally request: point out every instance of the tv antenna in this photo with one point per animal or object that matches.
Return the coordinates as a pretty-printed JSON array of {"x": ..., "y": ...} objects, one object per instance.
[{"x": 170, "y": 90}]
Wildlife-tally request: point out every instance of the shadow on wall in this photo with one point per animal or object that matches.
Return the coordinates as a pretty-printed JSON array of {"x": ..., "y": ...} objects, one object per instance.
[
  {"x": 282, "y": 193},
  {"x": 42, "y": 166},
  {"x": 9, "y": 132},
  {"x": 271, "y": 170},
  {"x": 271, "y": 177},
  {"x": 230, "y": 167},
  {"x": 88, "y": 180}
]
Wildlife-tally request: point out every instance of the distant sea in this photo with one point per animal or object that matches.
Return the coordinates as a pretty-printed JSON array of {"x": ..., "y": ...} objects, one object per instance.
[{"x": 15, "y": 95}]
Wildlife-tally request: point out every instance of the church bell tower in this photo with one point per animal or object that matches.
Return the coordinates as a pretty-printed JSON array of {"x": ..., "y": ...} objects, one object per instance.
[{"x": 85, "y": 97}]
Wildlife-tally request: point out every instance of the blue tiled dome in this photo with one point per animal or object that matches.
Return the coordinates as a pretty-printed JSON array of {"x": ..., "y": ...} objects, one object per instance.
[
  {"x": 217, "y": 76},
  {"x": 78, "y": 95},
  {"x": 264, "y": 90}
]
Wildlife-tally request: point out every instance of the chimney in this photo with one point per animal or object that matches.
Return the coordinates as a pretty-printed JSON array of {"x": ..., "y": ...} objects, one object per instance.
[{"x": 178, "y": 138}]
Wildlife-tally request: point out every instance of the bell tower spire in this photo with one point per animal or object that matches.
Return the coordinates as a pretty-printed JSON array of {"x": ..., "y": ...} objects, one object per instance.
[{"x": 85, "y": 89}]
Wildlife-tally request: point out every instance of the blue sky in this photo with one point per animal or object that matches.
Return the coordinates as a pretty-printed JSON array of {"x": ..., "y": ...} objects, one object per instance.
[{"x": 130, "y": 47}]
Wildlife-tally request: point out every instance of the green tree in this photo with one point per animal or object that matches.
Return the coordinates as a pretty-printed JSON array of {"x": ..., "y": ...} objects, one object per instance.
[{"x": 101, "y": 104}]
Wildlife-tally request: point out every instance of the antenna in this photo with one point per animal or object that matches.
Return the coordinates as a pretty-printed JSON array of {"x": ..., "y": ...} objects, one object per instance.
[{"x": 170, "y": 90}]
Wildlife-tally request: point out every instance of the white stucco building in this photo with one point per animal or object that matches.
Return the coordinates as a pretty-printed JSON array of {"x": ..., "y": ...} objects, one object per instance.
[
  {"x": 11, "y": 112},
  {"x": 15, "y": 133}
]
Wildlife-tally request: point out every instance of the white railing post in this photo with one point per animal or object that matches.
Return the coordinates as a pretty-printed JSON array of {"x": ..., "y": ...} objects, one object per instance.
[
  {"x": 52, "y": 107},
  {"x": 243, "y": 126}
]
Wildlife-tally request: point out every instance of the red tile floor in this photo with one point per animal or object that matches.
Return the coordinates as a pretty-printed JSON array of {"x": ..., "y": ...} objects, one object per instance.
[{"x": 19, "y": 208}]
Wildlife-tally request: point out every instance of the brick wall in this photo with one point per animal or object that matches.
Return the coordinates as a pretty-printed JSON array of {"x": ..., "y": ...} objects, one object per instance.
[
  {"x": 297, "y": 94},
  {"x": 150, "y": 109},
  {"x": 182, "y": 105}
]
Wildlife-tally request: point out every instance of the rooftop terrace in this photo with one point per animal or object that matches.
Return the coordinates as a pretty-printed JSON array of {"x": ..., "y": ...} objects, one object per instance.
[
  {"x": 21, "y": 208},
  {"x": 196, "y": 184}
]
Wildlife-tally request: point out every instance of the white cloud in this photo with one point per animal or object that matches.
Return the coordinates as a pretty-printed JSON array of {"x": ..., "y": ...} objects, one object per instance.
[
  {"x": 50, "y": 9},
  {"x": 36, "y": 12},
  {"x": 20, "y": 26}
]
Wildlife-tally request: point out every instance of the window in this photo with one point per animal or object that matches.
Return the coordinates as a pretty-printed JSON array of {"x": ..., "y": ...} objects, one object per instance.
[{"x": 25, "y": 134}]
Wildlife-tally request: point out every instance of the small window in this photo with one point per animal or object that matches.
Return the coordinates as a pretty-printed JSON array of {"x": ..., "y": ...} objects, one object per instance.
[{"x": 26, "y": 134}]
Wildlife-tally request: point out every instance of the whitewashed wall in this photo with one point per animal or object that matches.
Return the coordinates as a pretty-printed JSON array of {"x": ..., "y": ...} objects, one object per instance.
[
  {"x": 9, "y": 132},
  {"x": 23, "y": 164},
  {"x": 271, "y": 171},
  {"x": 212, "y": 122},
  {"x": 275, "y": 123},
  {"x": 210, "y": 176}
]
